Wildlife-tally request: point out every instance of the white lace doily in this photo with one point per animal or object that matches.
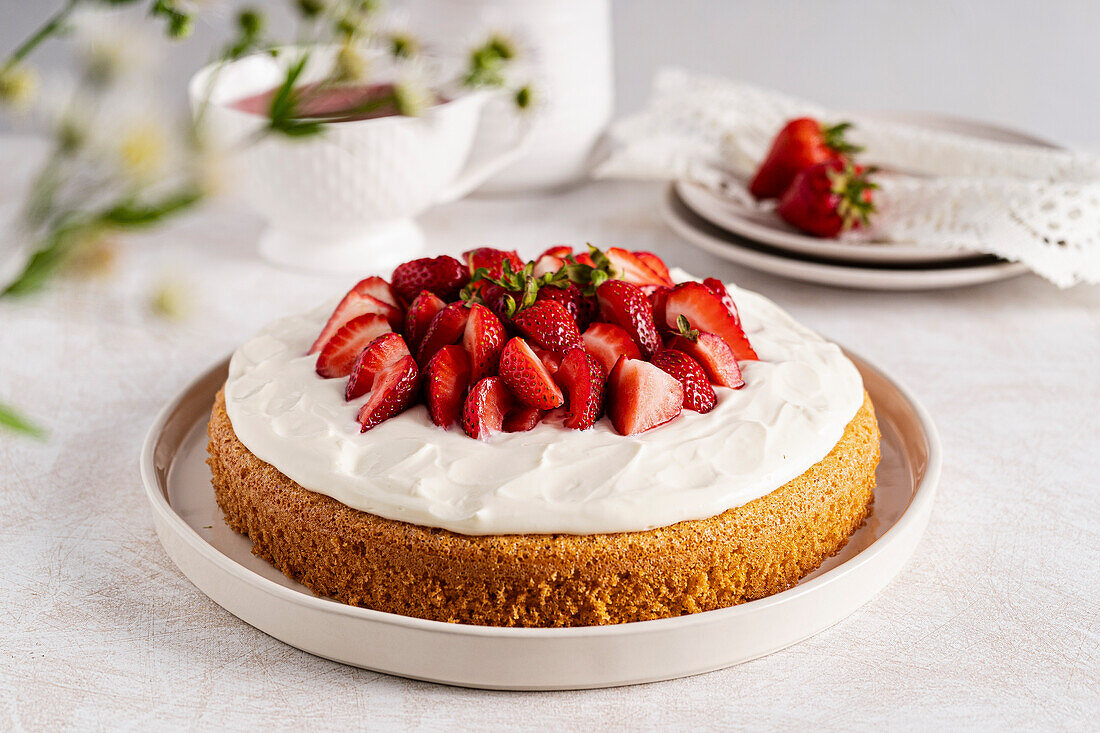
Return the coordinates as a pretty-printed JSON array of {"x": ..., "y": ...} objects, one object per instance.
[{"x": 1039, "y": 206}]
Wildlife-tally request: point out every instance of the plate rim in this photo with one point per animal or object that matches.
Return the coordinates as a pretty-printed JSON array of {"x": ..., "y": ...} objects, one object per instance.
[
  {"x": 805, "y": 269},
  {"x": 917, "y": 511}
]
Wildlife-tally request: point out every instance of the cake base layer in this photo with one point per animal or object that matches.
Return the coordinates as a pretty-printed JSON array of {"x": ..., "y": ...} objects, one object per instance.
[{"x": 362, "y": 559}]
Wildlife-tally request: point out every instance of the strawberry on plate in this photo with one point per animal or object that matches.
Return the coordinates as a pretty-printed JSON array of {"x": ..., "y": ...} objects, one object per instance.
[
  {"x": 448, "y": 327},
  {"x": 524, "y": 373},
  {"x": 711, "y": 351},
  {"x": 607, "y": 342},
  {"x": 641, "y": 396},
  {"x": 698, "y": 394},
  {"x": 382, "y": 353},
  {"x": 581, "y": 378},
  {"x": 626, "y": 306},
  {"x": 549, "y": 326},
  {"x": 800, "y": 144},
  {"x": 488, "y": 403},
  {"x": 339, "y": 353},
  {"x": 444, "y": 275},
  {"x": 394, "y": 391},
  {"x": 828, "y": 199},
  {"x": 366, "y": 297},
  {"x": 419, "y": 316},
  {"x": 447, "y": 380},
  {"x": 705, "y": 312},
  {"x": 483, "y": 340}
]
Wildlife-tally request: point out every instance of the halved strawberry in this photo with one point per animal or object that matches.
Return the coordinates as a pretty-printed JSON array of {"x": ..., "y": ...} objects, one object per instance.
[
  {"x": 561, "y": 251},
  {"x": 658, "y": 298},
  {"x": 444, "y": 275},
  {"x": 547, "y": 264},
  {"x": 628, "y": 266},
  {"x": 448, "y": 327},
  {"x": 394, "y": 391},
  {"x": 486, "y": 407},
  {"x": 483, "y": 340},
  {"x": 718, "y": 287},
  {"x": 655, "y": 263},
  {"x": 549, "y": 326},
  {"x": 419, "y": 316},
  {"x": 380, "y": 355},
  {"x": 607, "y": 342},
  {"x": 527, "y": 377},
  {"x": 581, "y": 378},
  {"x": 447, "y": 380},
  {"x": 626, "y": 306},
  {"x": 713, "y": 354},
  {"x": 698, "y": 394},
  {"x": 706, "y": 312},
  {"x": 522, "y": 419},
  {"x": 365, "y": 297},
  {"x": 641, "y": 396},
  {"x": 339, "y": 353}
]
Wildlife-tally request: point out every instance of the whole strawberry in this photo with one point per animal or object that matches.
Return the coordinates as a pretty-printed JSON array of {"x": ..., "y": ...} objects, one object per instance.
[
  {"x": 828, "y": 199},
  {"x": 549, "y": 326},
  {"x": 626, "y": 306},
  {"x": 800, "y": 144},
  {"x": 444, "y": 275}
]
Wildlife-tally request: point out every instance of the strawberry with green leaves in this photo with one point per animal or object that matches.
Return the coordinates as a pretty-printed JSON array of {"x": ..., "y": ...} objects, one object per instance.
[
  {"x": 828, "y": 199},
  {"x": 800, "y": 144}
]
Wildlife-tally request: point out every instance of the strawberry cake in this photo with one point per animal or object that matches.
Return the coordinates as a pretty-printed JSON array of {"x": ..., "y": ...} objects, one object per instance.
[{"x": 586, "y": 438}]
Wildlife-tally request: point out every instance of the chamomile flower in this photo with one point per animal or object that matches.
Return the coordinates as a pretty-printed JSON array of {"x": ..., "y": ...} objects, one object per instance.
[{"x": 18, "y": 86}]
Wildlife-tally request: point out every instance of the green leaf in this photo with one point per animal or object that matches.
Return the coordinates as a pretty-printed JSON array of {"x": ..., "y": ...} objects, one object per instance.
[
  {"x": 131, "y": 213},
  {"x": 16, "y": 423}
]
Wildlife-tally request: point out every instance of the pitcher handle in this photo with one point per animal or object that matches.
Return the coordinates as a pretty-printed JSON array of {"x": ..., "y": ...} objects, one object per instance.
[{"x": 484, "y": 164}]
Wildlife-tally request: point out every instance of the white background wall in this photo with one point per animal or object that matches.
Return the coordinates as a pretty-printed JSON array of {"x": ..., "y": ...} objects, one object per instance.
[{"x": 1035, "y": 65}]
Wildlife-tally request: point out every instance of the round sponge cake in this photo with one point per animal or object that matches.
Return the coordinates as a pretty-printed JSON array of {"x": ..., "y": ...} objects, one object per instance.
[{"x": 365, "y": 560}]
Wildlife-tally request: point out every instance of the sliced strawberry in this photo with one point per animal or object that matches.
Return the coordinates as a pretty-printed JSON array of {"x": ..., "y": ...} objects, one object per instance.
[
  {"x": 524, "y": 373},
  {"x": 718, "y": 287},
  {"x": 607, "y": 342},
  {"x": 379, "y": 289},
  {"x": 628, "y": 266},
  {"x": 658, "y": 298},
  {"x": 698, "y": 394},
  {"x": 549, "y": 326},
  {"x": 380, "y": 355},
  {"x": 705, "y": 311},
  {"x": 448, "y": 327},
  {"x": 713, "y": 354},
  {"x": 339, "y": 353},
  {"x": 394, "y": 391},
  {"x": 522, "y": 419},
  {"x": 581, "y": 378},
  {"x": 486, "y": 407},
  {"x": 626, "y": 306},
  {"x": 549, "y": 359},
  {"x": 444, "y": 275},
  {"x": 483, "y": 340},
  {"x": 419, "y": 316},
  {"x": 547, "y": 264},
  {"x": 561, "y": 251},
  {"x": 656, "y": 264},
  {"x": 641, "y": 396},
  {"x": 584, "y": 258},
  {"x": 447, "y": 380},
  {"x": 361, "y": 299}
]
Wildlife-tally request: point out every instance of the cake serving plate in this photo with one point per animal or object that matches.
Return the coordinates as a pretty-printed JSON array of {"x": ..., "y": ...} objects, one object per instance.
[{"x": 220, "y": 563}]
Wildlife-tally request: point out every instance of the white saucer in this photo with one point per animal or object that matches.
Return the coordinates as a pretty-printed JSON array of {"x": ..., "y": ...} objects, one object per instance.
[
  {"x": 220, "y": 563},
  {"x": 738, "y": 214},
  {"x": 931, "y": 276}
]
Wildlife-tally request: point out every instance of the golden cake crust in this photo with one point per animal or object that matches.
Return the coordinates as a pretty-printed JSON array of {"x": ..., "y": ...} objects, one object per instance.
[{"x": 362, "y": 559}]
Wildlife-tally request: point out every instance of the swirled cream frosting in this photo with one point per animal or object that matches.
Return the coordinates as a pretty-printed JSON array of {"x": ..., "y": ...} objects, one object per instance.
[{"x": 794, "y": 407}]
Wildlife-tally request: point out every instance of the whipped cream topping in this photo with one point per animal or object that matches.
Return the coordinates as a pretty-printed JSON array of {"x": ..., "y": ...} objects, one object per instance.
[{"x": 793, "y": 409}]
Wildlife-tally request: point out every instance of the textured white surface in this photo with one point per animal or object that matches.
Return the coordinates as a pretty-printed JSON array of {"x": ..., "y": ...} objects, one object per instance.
[{"x": 994, "y": 623}]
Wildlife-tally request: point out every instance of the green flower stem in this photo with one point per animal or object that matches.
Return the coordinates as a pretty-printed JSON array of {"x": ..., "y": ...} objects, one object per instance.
[{"x": 49, "y": 28}]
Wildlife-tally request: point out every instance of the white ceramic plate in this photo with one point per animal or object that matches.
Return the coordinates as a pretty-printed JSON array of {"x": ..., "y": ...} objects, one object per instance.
[
  {"x": 929, "y": 276},
  {"x": 220, "y": 563},
  {"x": 760, "y": 223}
]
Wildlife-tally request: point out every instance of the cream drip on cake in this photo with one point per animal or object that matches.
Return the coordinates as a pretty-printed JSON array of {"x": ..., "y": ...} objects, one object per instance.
[{"x": 794, "y": 407}]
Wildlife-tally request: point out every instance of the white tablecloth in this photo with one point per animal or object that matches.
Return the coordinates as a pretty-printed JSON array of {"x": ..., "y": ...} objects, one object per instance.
[{"x": 993, "y": 623}]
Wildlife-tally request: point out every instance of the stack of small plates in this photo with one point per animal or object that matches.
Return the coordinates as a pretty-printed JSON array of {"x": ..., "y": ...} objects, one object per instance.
[{"x": 740, "y": 231}]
